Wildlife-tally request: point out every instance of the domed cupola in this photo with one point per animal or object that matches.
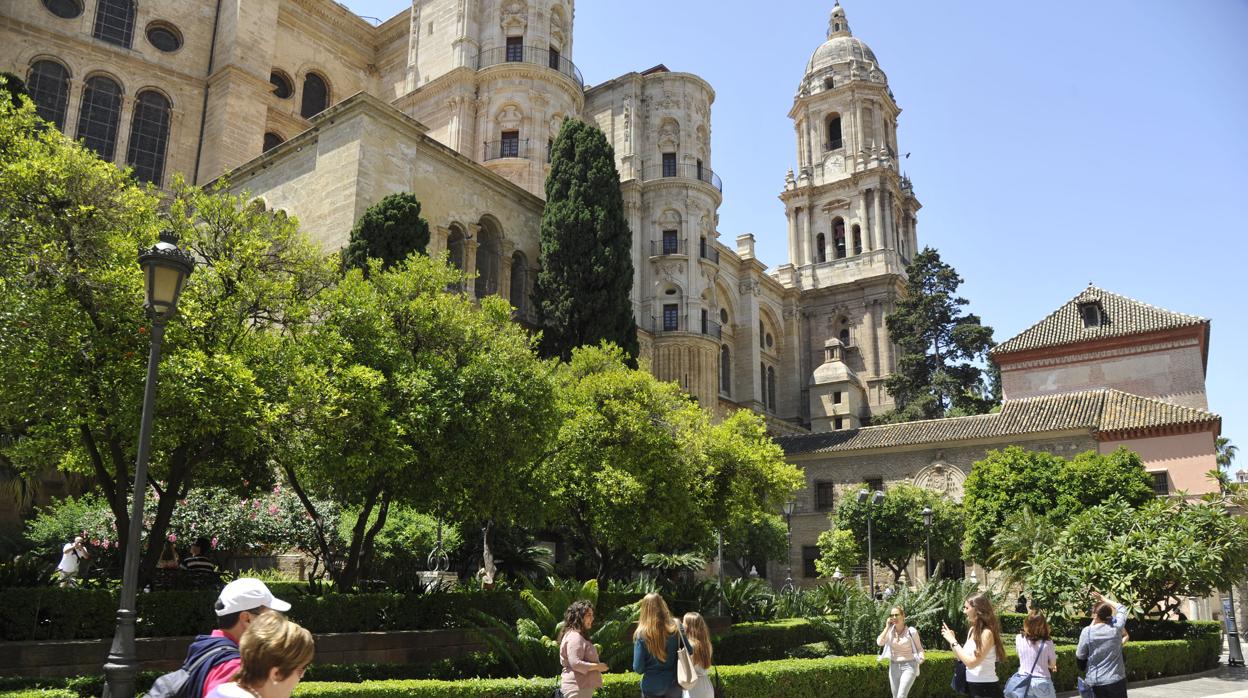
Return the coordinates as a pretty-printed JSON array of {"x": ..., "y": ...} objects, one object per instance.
[{"x": 841, "y": 58}]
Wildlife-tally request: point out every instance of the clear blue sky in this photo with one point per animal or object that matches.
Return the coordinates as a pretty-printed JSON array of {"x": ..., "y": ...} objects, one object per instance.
[{"x": 1051, "y": 145}]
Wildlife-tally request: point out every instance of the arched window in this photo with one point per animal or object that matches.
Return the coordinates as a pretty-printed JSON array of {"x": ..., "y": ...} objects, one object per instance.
[
  {"x": 834, "y": 133},
  {"x": 489, "y": 255},
  {"x": 272, "y": 140},
  {"x": 149, "y": 137},
  {"x": 762, "y": 383},
  {"x": 844, "y": 336},
  {"x": 455, "y": 253},
  {"x": 519, "y": 291},
  {"x": 114, "y": 22},
  {"x": 857, "y": 239},
  {"x": 315, "y": 95},
  {"x": 725, "y": 370},
  {"x": 821, "y": 248},
  {"x": 99, "y": 116},
  {"x": 48, "y": 86},
  {"x": 771, "y": 388},
  {"x": 838, "y": 237},
  {"x": 762, "y": 332},
  {"x": 282, "y": 87}
]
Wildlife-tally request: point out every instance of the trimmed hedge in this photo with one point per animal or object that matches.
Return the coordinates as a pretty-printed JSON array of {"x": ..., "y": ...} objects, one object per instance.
[
  {"x": 771, "y": 679},
  {"x": 755, "y": 642},
  {"x": 794, "y": 677},
  {"x": 1068, "y": 628},
  {"x": 53, "y": 613}
]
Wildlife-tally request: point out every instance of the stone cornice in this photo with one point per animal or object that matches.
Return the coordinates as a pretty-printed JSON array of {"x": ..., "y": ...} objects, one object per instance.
[
  {"x": 533, "y": 71},
  {"x": 341, "y": 19}
]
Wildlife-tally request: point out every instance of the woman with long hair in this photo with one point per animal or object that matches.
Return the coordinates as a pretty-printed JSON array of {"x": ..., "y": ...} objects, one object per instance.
[
  {"x": 904, "y": 651},
  {"x": 582, "y": 672},
  {"x": 654, "y": 649},
  {"x": 275, "y": 652},
  {"x": 983, "y": 647},
  {"x": 1037, "y": 656},
  {"x": 699, "y": 638},
  {"x": 1100, "y": 647}
]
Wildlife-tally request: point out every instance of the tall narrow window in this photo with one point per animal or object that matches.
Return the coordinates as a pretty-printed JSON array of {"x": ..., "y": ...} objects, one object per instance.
[
  {"x": 706, "y": 321},
  {"x": 821, "y": 248},
  {"x": 519, "y": 291},
  {"x": 99, "y": 116},
  {"x": 671, "y": 242},
  {"x": 48, "y": 85},
  {"x": 857, "y": 239},
  {"x": 671, "y": 317},
  {"x": 555, "y": 61},
  {"x": 669, "y": 164},
  {"x": 272, "y": 140},
  {"x": 771, "y": 388},
  {"x": 114, "y": 22},
  {"x": 725, "y": 370},
  {"x": 834, "y": 133},
  {"x": 509, "y": 146},
  {"x": 825, "y": 493},
  {"x": 149, "y": 137},
  {"x": 315, "y": 95},
  {"x": 515, "y": 49},
  {"x": 700, "y": 178},
  {"x": 844, "y": 337},
  {"x": 838, "y": 238},
  {"x": 762, "y": 332}
]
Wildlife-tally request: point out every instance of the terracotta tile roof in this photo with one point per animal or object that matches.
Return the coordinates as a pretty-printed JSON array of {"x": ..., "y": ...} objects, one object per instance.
[
  {"x": 1102, "y": 410},
  {"x": 1121, "y": 316}
]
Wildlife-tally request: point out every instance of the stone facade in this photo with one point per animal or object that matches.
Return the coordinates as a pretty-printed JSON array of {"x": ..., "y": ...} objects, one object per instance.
[{"x": 263, "y": 89}]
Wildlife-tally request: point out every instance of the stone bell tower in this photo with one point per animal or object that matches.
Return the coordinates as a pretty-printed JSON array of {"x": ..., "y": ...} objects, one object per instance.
[{"x": 851, "y": 222}]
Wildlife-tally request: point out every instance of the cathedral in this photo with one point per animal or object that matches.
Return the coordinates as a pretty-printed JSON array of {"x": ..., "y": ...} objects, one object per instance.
[{"x": 318, "y": 113}]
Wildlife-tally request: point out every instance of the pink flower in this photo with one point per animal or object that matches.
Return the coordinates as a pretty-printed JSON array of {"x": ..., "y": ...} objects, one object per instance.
[
  {"x": 95, "y": 541},
  {"x": 214, "y": 541},
  {"x": 272, "y": 508},
  {"x": 105, "y": 544},
  {"x": 255, "y": 503},
  {"x": 173, "y": 538}
]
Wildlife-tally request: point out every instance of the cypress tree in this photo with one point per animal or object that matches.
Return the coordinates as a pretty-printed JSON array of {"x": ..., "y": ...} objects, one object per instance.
[
  {"x": 581, "y": 294},
  {"x": 389, "y": 230}
]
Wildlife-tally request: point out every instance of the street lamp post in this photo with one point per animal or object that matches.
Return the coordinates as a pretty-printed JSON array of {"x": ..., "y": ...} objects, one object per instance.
[
  {"x": 789, "y": 587},
  {"x": 165, "y": 270},
  {"x": 875, "y": 499},
  {"x": 927, "y": 523}
]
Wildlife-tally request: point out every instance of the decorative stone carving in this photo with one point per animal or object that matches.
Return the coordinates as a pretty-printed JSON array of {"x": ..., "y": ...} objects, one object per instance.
[
  {"x": 509, "y": 117},
  {"x": 942, "y": 478},
  {"x": 515, "y": 17},
  {"x": 669, "y": 135}
]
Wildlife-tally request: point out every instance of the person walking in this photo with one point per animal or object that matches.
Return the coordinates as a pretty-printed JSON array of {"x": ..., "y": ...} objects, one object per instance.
[
  {"x": 698, "y": 635},
  {"x": 1037, "y": 655},
  {"x": 903, "y": 649},
  {"x": 240, "y": 603},
  {"x": 1100, "y": 647},
  {"x": 582, "y": 672},
  {"x": 654, "y": 649},
  {"x": 983, "y": 647},
  {"x": 72, "y": 555},
  {"x": 198, "y": 560},
  {"x": 275, "y": 653}
]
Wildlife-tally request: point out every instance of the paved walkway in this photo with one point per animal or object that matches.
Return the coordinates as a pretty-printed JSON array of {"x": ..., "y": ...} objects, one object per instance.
[{"x": 1225, "y": 682}]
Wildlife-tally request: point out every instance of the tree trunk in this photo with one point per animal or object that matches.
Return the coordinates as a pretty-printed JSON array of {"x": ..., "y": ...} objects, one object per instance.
[
  {"x": 322, "y": 542},
  {"x": 351, "y": 569},
  {"x": 179, "y": 471}
]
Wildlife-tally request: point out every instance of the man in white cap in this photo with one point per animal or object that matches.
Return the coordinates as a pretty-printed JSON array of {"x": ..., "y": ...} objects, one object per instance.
[{"x": 240, "y": 602}]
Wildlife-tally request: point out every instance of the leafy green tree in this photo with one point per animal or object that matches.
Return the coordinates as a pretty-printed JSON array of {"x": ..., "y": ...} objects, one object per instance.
[
  {"x": 754, "y": 542},
  {"x": 1226, "y": 452},
  {"x": 403, "y": 393},
  {"x": 936, "y": 374},
  {"x": 897, "y": 527},
  {"x": 13, "y": 87},
  {"x": 1047, "y": 485},
  {"x": 625, "y": 464},
  {"x": 582, "y": 291},
  {"x": 69, "y": 279},
  {"x": 1152, "y": 556},
  {"x": 389, "y": 230}
]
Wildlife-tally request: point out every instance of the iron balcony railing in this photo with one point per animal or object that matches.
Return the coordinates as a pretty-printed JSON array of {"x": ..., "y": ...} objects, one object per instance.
[
  {"x": 507, "y": 148},
  {"x": 665, "y": 248},
  {"x": 698, "y": 172},
  {"x": 532, "y": 55},
  {"x": 834, "y": 145},
  {"x": 712, "y": 329},
  {"x": 707, "y": 252},
  {"x": 680, "y": 323}
]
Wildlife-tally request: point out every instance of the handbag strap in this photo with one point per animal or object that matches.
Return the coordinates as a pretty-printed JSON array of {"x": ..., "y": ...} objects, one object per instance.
[{"x": 1036, "y": 661}]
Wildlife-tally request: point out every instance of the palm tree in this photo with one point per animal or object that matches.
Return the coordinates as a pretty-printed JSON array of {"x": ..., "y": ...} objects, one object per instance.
[{"x": 1226, "y": 452}]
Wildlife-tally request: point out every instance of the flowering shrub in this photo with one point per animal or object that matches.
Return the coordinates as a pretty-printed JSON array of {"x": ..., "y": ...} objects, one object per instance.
[{"x": 274, "y": 521}]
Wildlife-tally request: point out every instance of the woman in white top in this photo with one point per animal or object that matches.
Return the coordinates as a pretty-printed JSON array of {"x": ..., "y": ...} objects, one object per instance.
[
  {"x": 982, "y": 649},
  {"x": 699, "y": 638},
  {"x": 1037, "y": 656},
  {"x": 904, "y": 651},
  {"x": 275, "y": 652}
]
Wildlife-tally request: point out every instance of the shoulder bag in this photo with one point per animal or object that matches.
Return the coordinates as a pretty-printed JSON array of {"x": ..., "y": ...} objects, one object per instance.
[
  {"x": 686, "y": 674},
  {"x": 958, "y": 684},
  {"x": 1020, "y": 683}
]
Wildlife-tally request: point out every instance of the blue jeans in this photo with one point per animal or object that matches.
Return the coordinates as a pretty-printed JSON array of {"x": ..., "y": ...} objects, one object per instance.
[{"x": 1041, "y": 688}]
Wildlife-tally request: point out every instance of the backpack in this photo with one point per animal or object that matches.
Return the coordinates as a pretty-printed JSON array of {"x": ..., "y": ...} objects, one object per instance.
[{"x": 178, "y": 684}]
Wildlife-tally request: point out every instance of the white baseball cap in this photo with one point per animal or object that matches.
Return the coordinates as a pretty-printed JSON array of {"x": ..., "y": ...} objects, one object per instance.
[{"x": 246, "y": 594}]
